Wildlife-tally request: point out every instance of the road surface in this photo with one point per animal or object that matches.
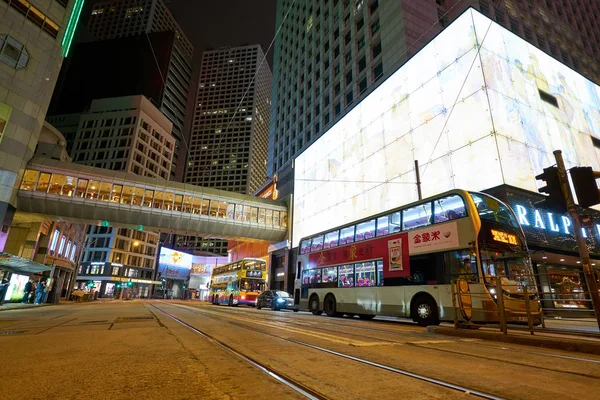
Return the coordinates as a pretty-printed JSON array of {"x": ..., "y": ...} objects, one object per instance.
[{"x": 189, "y": 350}]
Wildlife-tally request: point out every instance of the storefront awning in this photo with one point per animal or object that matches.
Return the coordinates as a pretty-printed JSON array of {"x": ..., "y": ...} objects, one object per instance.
[{"x": 21, "y": 265}]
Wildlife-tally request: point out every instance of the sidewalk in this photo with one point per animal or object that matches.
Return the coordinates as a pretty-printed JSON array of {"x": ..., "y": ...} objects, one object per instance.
[{"x": 560, "y": 341}]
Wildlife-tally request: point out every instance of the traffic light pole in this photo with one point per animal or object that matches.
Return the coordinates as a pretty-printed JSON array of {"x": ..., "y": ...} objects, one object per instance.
[{"x": 584, "y": 254}]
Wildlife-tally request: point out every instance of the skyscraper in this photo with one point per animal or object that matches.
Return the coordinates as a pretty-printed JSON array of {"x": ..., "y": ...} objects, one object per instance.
[
  {"x": 123, "y": 134},
  {"x": 330, "y": 55},
  {"x": 230, "y": 130},
  {"x": 122, "y": 18},
  {"x": 33, "y": 40}
]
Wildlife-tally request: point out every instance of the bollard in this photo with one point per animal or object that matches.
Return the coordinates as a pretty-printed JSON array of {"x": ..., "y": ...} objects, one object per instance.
[
  {"x": 528, "y": 309},
  {"x": 501, "y": 304}
]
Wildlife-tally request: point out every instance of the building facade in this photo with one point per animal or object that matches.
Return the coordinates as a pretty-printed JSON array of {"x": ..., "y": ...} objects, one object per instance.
[
  {"x": 230, "y": 129},
  {"x": 481, "y": 109},
  {"x": 122, "y": 134},
  {"x": 330, "y": 55},
  {"x": 117, "y": 19},
  {"x": 33, "y": 39}
]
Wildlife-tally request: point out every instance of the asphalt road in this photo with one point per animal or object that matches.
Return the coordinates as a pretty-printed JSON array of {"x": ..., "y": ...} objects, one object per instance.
[{"x": 188, "y": 350}]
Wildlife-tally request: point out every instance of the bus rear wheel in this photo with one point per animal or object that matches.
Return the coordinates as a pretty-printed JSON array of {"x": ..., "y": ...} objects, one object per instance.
[
  {"x": 425, "y": 311},
  {"x": 329, "y": 306},
  {"x": 313, "y": 305}
]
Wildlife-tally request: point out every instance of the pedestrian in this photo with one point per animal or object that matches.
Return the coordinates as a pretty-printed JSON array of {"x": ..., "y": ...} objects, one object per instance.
[
  {"x": 3, "y": 289},
  {"x": 40, "y": 291},
  {"x": 27, "y": 291}
]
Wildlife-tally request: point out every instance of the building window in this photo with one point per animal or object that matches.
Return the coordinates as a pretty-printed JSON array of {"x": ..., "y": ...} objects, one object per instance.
[
  {"x": 378, "y": 71},
  {"x": 376, "y": 50},
  {"x": 13, "y": 53},
  {"x": 36, "y": 16}
]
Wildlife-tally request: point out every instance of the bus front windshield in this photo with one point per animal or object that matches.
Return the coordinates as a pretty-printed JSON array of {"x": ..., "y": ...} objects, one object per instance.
[
  {"x": 514, "y": 268},
  {"x": 491, "y": 209},
  {"x": 252, "y": 285}
]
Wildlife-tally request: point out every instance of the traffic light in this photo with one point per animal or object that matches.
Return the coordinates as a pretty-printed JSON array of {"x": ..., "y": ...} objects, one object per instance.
[
  {"x": 586, "y": 188},
  {"x": 555, "y": 201},
  {"x": 118, "y": 286},
  {"x": 129, "y": 284}
]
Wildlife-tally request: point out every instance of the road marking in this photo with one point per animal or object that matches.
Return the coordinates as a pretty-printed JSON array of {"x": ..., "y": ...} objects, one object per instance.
[
  {"x": 418, "y": 342},
  {"x": 324, "y": 336}
]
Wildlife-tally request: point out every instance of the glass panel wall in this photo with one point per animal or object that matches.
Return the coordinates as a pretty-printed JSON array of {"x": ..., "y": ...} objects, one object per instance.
[
  {"x": 116, "y": 193},
  {"x": 104, "y": 193},
  {"x": 29, "y": 179},
  {"x": 68, "y": 186},
  {"x": 148, "y": 198},
  {"x": 43, "y": 183},
  {"x": 82, "y": 185},
  {"x": 56, "y": 183},
  {"x": 93, "y": 189},
  {"x": 127, "y": 196}
]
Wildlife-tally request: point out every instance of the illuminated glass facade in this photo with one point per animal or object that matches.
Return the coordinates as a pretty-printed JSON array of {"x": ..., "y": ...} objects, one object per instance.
[
  {"x": 478, "y": 107},
  {"x": 330, "y": 55}
]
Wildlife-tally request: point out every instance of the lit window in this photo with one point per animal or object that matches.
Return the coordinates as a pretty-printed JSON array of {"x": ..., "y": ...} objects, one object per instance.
[
  {"x": 13, "y": 53},
  {"x": 54, "y": 240},
  {"x": 62, "y": 245}
]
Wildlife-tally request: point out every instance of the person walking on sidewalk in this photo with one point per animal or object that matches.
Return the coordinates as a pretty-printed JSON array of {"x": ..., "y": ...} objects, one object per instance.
[
  {"x": 27, "y": 291},
  {"x": 40, "y": 291}
]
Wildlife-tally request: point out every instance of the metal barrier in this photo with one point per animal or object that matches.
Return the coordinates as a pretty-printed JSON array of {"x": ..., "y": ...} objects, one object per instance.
[{"x": 523, "y": 304}]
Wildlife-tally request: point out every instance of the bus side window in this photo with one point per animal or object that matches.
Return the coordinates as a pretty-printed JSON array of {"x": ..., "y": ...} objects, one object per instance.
[
  {"x": 448, "y": 208},
  {"x": 417, "y": 216},
  {"x": 383, "y": 225},
  {"x": 347, "y": 235},
  {"x": 380, "y": 273}
]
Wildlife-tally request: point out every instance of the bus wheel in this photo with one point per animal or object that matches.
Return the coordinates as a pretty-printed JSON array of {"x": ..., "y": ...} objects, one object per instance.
[
  {"x": 313, "y": 305},
  {"x": 425, "y": 311},
  {"x": 329, "y": 306},
  {"x": 366, "y": 317}
]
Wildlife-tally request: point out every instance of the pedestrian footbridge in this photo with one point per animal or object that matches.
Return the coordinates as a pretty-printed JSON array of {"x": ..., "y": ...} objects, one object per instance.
[{"x": 61, "y": 190}]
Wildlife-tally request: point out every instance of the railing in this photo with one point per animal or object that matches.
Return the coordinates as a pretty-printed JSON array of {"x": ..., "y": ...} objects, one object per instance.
[{"x": 515, "y": 305}]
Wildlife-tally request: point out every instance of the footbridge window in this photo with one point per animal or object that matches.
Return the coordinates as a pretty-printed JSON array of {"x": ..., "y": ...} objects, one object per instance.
[{"x": 105, "y": 191}]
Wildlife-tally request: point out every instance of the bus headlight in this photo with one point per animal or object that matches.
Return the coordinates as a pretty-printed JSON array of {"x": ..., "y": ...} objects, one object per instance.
[{"x": 243, "y": 297}]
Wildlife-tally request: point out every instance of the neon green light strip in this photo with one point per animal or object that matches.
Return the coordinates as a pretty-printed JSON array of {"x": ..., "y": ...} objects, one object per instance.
[{"x": 71, "y": 27}]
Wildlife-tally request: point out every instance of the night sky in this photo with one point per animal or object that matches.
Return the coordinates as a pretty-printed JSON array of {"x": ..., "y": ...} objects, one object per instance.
[{"x": 220, "y": 23}]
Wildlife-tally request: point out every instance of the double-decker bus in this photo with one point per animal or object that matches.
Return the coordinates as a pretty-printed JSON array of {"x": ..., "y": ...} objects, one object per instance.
[
  {"x": 403, "y": 262},
  {"x": 239, "y": 282}
]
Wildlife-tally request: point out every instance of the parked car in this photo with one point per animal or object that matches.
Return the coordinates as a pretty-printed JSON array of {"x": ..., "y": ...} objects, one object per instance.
[{"x": 276, "y": 300}]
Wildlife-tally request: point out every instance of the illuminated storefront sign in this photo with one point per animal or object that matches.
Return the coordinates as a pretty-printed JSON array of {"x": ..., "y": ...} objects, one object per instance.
[{"x": 559, "y": 224}]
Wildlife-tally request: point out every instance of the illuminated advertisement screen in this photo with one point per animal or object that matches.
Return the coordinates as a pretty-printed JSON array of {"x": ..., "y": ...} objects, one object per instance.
[
  {"x": 173, "y": 264},
  {"x": 474, "y": 118}
]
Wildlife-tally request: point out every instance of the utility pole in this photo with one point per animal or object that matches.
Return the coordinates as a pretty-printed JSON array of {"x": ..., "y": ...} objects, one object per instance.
[
  {"x": 584, "y": 253},
  {"x": 418, "y": 179}
]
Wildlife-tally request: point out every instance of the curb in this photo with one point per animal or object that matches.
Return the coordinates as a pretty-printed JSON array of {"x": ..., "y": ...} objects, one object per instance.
[
  {"x": 2, "y": 308},
  {"x": 536, "y": 341}
]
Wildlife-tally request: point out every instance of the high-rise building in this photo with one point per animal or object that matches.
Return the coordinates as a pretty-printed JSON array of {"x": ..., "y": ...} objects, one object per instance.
[
  {"x": 329, "y": 55},
  {"x": 111, "y": 19},
  {"x": 33, "y": 40},
  {"x": 123, "y": 134},
  {"x": 228, "y": 146}
]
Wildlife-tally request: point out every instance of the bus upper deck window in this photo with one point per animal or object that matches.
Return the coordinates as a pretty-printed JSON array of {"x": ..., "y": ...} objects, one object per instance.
[
  {"x": 417, "y": 216},
  {"x": 448, "y": 208},
  {"x": 305, "y": 246},
  {"x": 347, "y": 235},
  {"x": 365, "y": 230},
  {"x": 383, "y": 225},
  {"x": 317, "y": 244},
  {"x": 331, "y": 239}
]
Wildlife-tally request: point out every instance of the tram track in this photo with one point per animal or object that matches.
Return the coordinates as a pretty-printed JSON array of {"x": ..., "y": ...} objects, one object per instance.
[
  {"x": 299, "y": 387},
  {"x": 368, "y": 326}
]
